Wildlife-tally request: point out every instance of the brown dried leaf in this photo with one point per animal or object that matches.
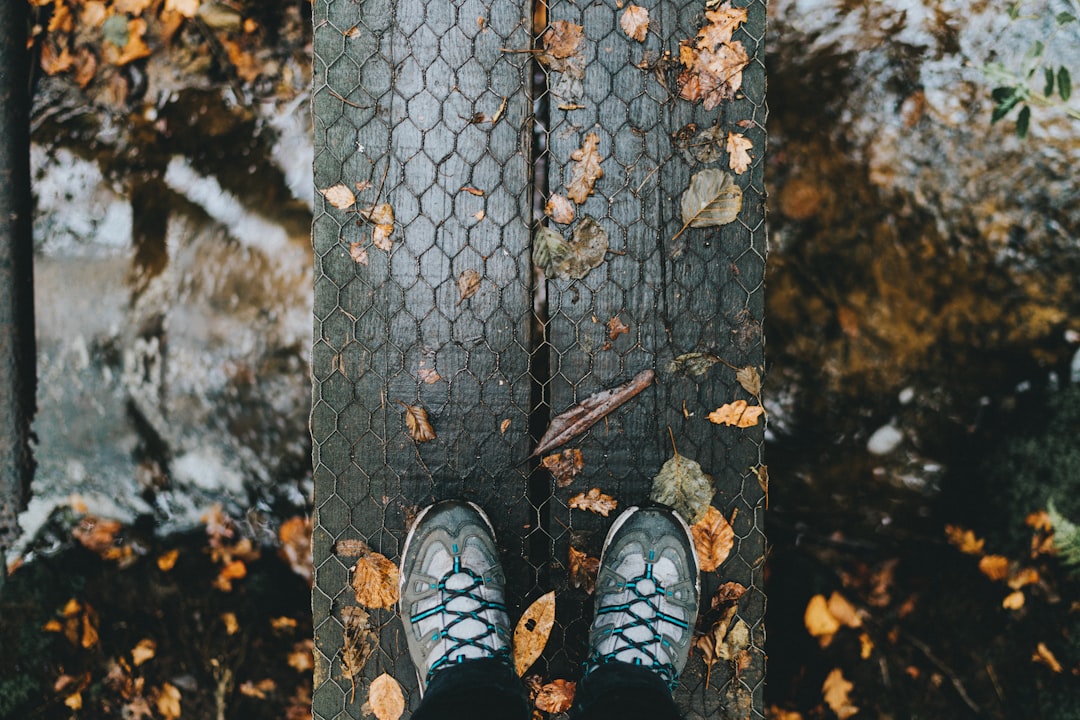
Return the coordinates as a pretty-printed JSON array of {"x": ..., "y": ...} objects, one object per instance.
[
  {"x": 750, "y": 380},
  {"x": 136, "y": 48},
  {"x": 359, "y": 643},
  {"x": 385, "y": 698},
  {"x": 582, "y": 416},
  {"x": 144, "y": 650},
  {"x": 504, "y": 426},
  {"x": 738, "y": 157},
  {"x": 964, "y": 540},
  {"x": 695, "y": 363},
  {"x": 722, "y": 22},
  {"x": 1046, "y": 657},
  {"x": 737, "y": 413},
  {"x": 617, "y": 327},
  {"x": 835, "y": 690},
  {"x": 340, "y": 196},
  {"x": 727, "y": 595},
  {"x": 594, "y": 501},
  {"x": 995, "y": 567},
  {"x": 532, "y": 631},
  {"x": 168, "y": 702},
  {"x": 586, "y": 170},
  {"x": 473, "y": 191},
  {"x": 559, "y": 209},
  {"x": 560, "y": 41},
  {"x": 712, "y": 199},
  {"x": 381, "y": 237},
  {"x": 232, "y": 570},
  {"x": 583, "y": 570},
  {"x": 635, "y": 22},
  {"x": 416, "y": 420},
  {"x": 1023, "y": 578},
  {"x": 282, "y": 623},
  {"x": 564, "y": 466},
  {"x": 302, "y": 656},
  {"x": 713, "y": 539},
  {"x": 468, "y": 283},
  {"x": 556, "y": 696},
  {"x": 428, "y": 375},
  {"x": 375, "y": 581},
  {"x": 358, "y": 253},
  {"x": 295, "y": 536},
  {"x": 683, "y": 485}
]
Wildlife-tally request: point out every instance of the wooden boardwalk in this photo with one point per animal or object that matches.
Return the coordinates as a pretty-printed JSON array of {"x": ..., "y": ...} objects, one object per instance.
[{"x": 459, "y": 136}]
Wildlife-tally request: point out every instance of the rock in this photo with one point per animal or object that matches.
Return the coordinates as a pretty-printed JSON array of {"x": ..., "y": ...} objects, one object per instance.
[{"x": 884, "y": 440}]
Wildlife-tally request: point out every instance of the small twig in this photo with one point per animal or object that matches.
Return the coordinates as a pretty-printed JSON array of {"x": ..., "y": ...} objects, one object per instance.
[
  {"x": 945, "y": 669},
  {"x": 341, "y": 98}
]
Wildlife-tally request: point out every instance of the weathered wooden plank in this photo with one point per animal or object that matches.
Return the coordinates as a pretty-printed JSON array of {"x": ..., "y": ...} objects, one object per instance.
[{"x": 398, "y": 86}]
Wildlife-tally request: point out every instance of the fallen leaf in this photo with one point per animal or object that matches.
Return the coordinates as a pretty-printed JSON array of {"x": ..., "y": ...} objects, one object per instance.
[
  {"x": 750, "y": 380},
  {"x": 282, "y": 624},
  {"x": 532, "y": 631},
  {"x": 74, "y": 701},
  {"x": 90, "y": 622},
  {"x": 738, "y": 157},
  {"x": 564, "y": 466},
  {"x": 586, "y": 170},
  {"x": 713, "y": 539},
  {"x": 363, "y": 185},
  {"x": 635, "y": 22},
  {"x": 761, "y": 472},
  {"x": 504, "y": 426},
  {"x": 427, "y": 375},
  {"x": 295, "y": 549},
  {"x": 1013, "y": 601},
  {"x": 85, "y": 66},
  {"x": 722, "y": 23},
  {"x": 995, "y": 567},
  {"x": 728, "y": 594},
  {"x": 351, "y": 548},
  {"x": 479, "y": 215},
  {"x": 167, "y": 560},
  {"x": 964, "y": 540},
  {"x": 416, "y": 420},
  {"x": 257, "y": 690},
  {"x": 375, "y": 581},
  {"x": 468, "y": 283},
  {"x": 473, "y": 191},
  {"x": 385, "y": 698},
  {"x": 560, "y": 43},
  {"x": 499, "y": 112},
  {"x": 144, "y": 650},
  {"x": 1046, "y": 657},
  {"x": 168, "y": 702},
  {"x": 684, "y": 486},
  {"x": 866, "y": 646},
  {"x": 594, "y": 501},
  {"x": 358, "y": 253},
  {"x": 819, "y": 622},
  {"x": 233, "y": 570},
  {"x": 340, "y": 196},
  {"x": 232, "y": 625},
  {"x": 582, "y": 416},
  {"x": 55, "y": 59},
  {"x": 586, "y": 250},
  {"x": 382, "y": 217},
  {"x": 549, "y": 247},
  {"x": 835, "y": 690},
  {"x": 583, "y": 570},
  {"x": 842, "y": 609},
  {"x": 556, "y": 696},
  {"x": 707, "y": 146},
  {"x": 616, "y": 327},
  {"x": 712, "y": 199},
  {"x": 712, "y": 67},
  {"x": 695, "y": 363},
  {"x": 737, "y": 413},
  {"x": 359, "y": 642},
  {"x": 1039, "y": 520},
  {"x": 777, "y": 713},
  {"x": 302, "y": 656},
  {"x": 1023, "y": 578},
  {"x": 559, "y": 209}
]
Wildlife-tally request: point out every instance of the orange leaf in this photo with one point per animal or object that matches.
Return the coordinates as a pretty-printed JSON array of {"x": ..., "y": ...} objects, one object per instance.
[
  {"x": 964, "y": 540},
  {"x": 995, "y": 567},
  {"x": 168, "y": 702},
  {"x": 532, "y": 631},
  {"x": 1043, "y": 655},
  {"x": 586, "y": 170},
  {"x": 416, "y": 420},
  {"x": 583, "y": 570},
  {"x": 167, "y": 560},
  {"x": 556, "y": 697},
  {"x": 594, "y": 501},
  {"x": 143, "y": 651},
  {"x": 835, "y": 690},
  {"x": 340, "y": 196},
  {"x": 1023, "y": 578},
  {"x": 737, "y": 413},
  {"x": 385, "y": 698},
  {"x": 819, "y": 622},
  {"x": 564, "y": 466},
  {"x": 232, "y": 625},
  {"x": 233, "y": 570},
  {"x": 302, "y": 655},
  {"x": 713, "y": 539},
  {"x": 375, "y": 581},
  {"x": 295, "y": 536},
  {"x": 1013, "y": 601}
]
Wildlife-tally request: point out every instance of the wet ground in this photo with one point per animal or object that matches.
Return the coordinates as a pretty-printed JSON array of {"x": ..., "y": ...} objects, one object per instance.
[{"x": 922, "y": 318}]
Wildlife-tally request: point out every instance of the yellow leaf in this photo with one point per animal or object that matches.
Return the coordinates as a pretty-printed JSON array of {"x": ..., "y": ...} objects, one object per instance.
[
  {"x": 74, "y": 701},
  {"x": 964, "y": 540},
  {"x": 635, "y": 22},
  {"x": 532, "y": 631},
  {"x": 232, "y": 625},
  {"x": 738, "y": 157},
  {"x": 167, "y": 560},
  {"x": 1043, "y": 655},
  {"x": 168, "y": 702},
  {"x": 143, "y": 651},
  {"x": 1013, "y": 601},
  {"x": 375, "y": 581},
  {"x": 1023, "y": 578},
  {"x": 340, "y": 196},
  {"x": 556, "y": 697},
  {"x": 713, "y": 539},
  {"x": 866, "y": 646},
  {"x": 594, "y": 501},
  {"x": 738, "y": 413},
  {"x": 385, "y": 698},
  {"x": 995, "y": 567},
  {"x": 819, "y": 622},
  {"x": 835, "y": 690},
  {"x": 416, "y": 420}
]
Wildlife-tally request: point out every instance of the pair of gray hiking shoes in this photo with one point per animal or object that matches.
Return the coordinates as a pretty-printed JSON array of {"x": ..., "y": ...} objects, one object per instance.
[{"x": 452, "y": 591}]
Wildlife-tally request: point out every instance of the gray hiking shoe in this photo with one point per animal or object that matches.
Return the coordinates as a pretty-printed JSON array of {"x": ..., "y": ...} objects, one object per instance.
[
  {"x": 452, "y": 589},
  {"x": 647, "y": 594}
]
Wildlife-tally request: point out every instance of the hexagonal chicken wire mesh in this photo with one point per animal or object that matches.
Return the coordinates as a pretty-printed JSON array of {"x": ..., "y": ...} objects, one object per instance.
[{"x": 446, "y": 112}]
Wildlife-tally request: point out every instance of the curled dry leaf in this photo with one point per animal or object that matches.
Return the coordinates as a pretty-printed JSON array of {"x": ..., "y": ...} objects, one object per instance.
[
  {"x": 1023, "y": 578},
  {"x": 504, "y": 426},
  {"x": 557, "y": 696},
  {"x": 385, "y": 698},
  {"x": 616, "y": 327},
  {"x": 583, "y": 570},
  {"x": 416, "y": 420},
  {"x": 375, "y": 580},
  {"x": 738, "y": 158},
  {"x": 727, "y": 595},
  {"x": 750, "y": 380},
  {"x": 683, "y": 485},
  {"x": 382, "y": 217},
  {"x": 340, "y": 196},
  {"x": 532, "y": 631},
  {"x": 635, "y": 22},
  {"x": 564, "y": 466},
  {"x": 835, "y": 690},
  {"x": 559, "y": 209},
  {"x": 586, "y": 170},
  {"x": 761, "y": 472},
  {"x": 581, "y": 417},
  {"x": 594, "y": 501},
  {"x": 468, "y": 283},
  {"x": 737, "y": 413},
  {"x": 713, "y": 539},
  {"x": 712, "y": 199}
]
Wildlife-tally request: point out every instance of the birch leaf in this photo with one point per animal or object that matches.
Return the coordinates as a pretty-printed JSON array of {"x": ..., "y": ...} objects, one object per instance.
[
  {"x": 385, "y": 698},
  {"x": 738, "y": 157},
  {"x": 416, "y": 420},
  {"x": 340, "y": 196},
  {"x": 712, "y": 199},
  {"x": 635, "y": 22},
  {"x": 586, "y": 170},
  {"x": 713, "y": 539},
  {"x": 594, "y": 501},
  {"x": 738, "y": 413},
  {"x": 468, "y": 283},
  {"x": 532, "y": 631},
  {"x": 683, "y": 485}
]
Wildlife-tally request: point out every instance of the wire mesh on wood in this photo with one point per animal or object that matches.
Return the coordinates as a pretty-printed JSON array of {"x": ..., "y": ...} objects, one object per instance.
[{"x": 431, "y": 108}]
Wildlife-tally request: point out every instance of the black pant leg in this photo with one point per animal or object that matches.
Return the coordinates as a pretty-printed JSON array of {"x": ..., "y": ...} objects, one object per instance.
[
  {"x": 486, "y": 689},
  {"x": 621, "y": 691}
]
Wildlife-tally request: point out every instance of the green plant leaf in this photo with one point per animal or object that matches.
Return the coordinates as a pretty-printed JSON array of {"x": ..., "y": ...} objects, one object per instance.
[
  {"x": 1005, "y": 102},
  {"x": 1023, "y": 120},
  {"x": 1064, "y": 83},
  {"x": 1014, "y": 10},
  {"x": 1036, "y": 50},
  {"x": 1049, "y": 75},
  {"x": 1064, "y": 18}
]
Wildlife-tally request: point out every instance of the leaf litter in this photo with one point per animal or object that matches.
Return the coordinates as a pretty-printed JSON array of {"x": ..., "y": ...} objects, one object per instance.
[
  {"x": 571, "y": 423},
  {"x": 713, "y": 65},
  {"x": 532, "y": 631}
]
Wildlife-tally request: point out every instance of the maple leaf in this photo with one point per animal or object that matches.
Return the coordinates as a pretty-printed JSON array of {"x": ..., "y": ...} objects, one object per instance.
[
  {"x": 556, "y": 696},
  {"x": 835, "y": 690},
  {"x": 583, "y": 570},
  {"x": 416, "y": 420},
  {"x": 738, "y": 157},
  {"x": 385, "y": 698},
  {"x": 635, "y": 22},
  {"x": 532, "y": 631},
  {"x": 468, "y": 283},
  {"x": 559, "y": 209},
  {"x": 683, "y": 485},
  {"x": 737, "y": 413},
  {"x": 594, "y": 501},
  {"x": 616, "y": 327},
  {"x": 375, "y": 580},
  {"x": 586, "y": 170},
  {"x": 713, "y": 539}
]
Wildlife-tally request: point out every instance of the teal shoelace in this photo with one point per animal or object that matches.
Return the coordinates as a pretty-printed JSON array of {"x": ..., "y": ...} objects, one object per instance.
[
  {"x": 472, "y": 593},
  {"x": 651, "y": 623}
]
